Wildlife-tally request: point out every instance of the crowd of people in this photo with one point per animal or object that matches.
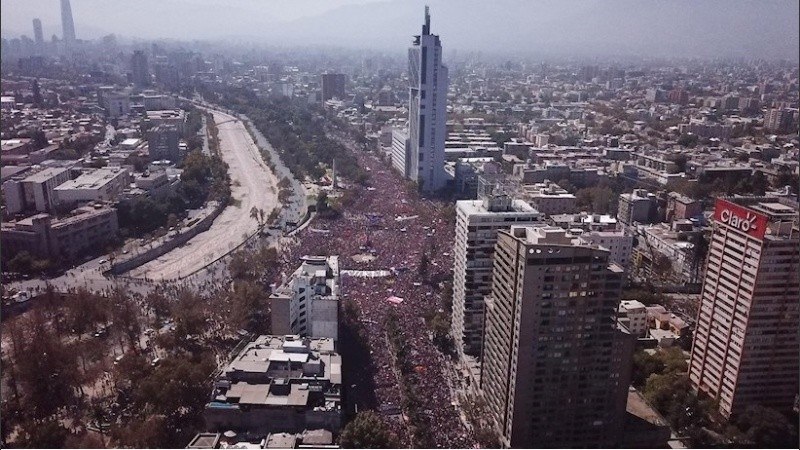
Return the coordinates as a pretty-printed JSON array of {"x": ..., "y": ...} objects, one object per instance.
[{"x": 396, "y": 228}]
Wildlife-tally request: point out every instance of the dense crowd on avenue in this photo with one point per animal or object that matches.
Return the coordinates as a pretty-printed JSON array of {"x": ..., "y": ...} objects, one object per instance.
[{"x": 388, "y": 228}]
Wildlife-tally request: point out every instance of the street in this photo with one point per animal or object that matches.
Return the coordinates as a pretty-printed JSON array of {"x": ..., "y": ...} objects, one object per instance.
[{"x": 252, "y": 185}]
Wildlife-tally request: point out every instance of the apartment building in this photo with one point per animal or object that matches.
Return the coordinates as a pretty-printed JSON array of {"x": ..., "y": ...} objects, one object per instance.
[
  {"x": 308, "y": 303},
  {"x": 34, "y": 191},
  {"x": 104, "y": 184},
  {"x": 477, "y": 224},
  {"x": 67, "y": 238},
  {"x": 746, "y": 341},
  {"x": 279, "y": 384},
  {"x": 556, "y": 365}
]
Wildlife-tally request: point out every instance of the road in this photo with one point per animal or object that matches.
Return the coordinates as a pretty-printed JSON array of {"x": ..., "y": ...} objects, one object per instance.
[{"x": 252, "y": 185}]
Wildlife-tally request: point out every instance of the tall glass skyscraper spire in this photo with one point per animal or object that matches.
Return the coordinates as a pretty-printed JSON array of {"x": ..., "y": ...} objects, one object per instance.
[
  {"x": 67, "y": 25},
  {"x": 428, "y": 80}
]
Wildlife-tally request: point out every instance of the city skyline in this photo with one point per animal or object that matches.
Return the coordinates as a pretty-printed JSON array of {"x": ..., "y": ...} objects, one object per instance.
[
  {"x": 675, "y": 28},
  {"x": 451, "y": 240}
]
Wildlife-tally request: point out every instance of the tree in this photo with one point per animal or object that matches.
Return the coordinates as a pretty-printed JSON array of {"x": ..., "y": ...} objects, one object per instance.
[
  {"x": 322, "y": 201},
  {"x": 688, "y": 140},
  {"x": 258, "y": 214},
  {"x": 766, "y": 428},
  {"x": 644, "y": 365},
  {"x": 151, "y": 432},
  {"x": 248, "y": 306},
  {"x": 38, "y": 139},
  {"x": 680, "y": 161},
  {"x": 47, "y": 434},
  {"x": 367, "y": 431},
  {"x": 49, "y": 378},
  {"x": 423, "y": 265}
]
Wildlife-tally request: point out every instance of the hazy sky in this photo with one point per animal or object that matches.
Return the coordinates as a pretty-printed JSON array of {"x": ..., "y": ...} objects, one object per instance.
[{"x": 705, "y": 28}]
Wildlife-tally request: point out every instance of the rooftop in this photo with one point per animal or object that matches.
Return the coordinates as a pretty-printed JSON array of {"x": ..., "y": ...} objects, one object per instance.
[
  {"x": 477, "y": 207},
  {"x": 92, "y": 180},
  {"x": 44, "y": 175}
]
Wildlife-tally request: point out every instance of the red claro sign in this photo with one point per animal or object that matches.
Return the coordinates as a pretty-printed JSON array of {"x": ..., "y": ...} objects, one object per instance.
[{"x": 741, "y": 218}]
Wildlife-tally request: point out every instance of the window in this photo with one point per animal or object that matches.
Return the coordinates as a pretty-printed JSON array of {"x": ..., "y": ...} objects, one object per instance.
[{"x": 421, "y": 132}]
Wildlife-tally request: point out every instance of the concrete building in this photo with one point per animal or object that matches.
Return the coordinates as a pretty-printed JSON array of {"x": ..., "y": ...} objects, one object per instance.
[
  {"x": 279, "y": 384},
  {"x": 617, "y": 243},
  {"x": 104, "y": 184},
  {"x": 556, "y": 365},
  {"x": 44, "y": 236},
  {"x": 163, "y": 142},
  {"x": 428, "y": 81},
  {"x": 668, "y": 253},
  {"x": 7, "y": 102},
  {"x": 35, "y": 191},
  {"x": 308, "y": 303},
  {"x": 37, "y": 33},
  {"x": 746, "y": 341},
  {"x": 117, "y": 104},
  {"x": 638, "y": 206},
  {"x": 549, "y": 198},
  {"x": 175, "y": 117},
  {"x": 140, "y": 74},
  {"x": 682, "y": 207},
  {"x": 584, "y": 222},
  {"x": 400, "y": 151},
  {"x": 477, "y": 224},
  {"x": 155, "y": 183},
  {"x": 778, "y": 120},
  {"x": 633, "y": 315},
  {"x": 333, "y": 86}
]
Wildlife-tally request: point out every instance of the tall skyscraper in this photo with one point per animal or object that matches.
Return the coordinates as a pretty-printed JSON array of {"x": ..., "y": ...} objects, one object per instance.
[
  {"x": 477, "y": 224},
  {"x": 428, "y": 80},
  {"x": 67, "y": 25},
  {"x": 37, "y": 32},
  {"x": 556, "y": 365},
  {"x": 746, "y": 341},
  {"x": 332, "y": 86},
  {"x": 140, "y": 75}
]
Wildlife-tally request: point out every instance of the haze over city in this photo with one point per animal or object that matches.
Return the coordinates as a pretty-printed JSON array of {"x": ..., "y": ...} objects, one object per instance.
[
  {"x": 579, "y": 28},
  {"x": 395, "y": 224}
]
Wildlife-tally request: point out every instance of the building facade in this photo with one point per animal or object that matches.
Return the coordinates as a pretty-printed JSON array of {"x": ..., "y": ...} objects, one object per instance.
[
  {"x": 66, "y": 238},
  {"x": 400, "y": 148},
  {"x": 67, "y": 24},
  {"x": 617, "y": 243},
  {"x": 746, "y": 341},
  {"x": 428, "y": 81},
  {"x": 477, "y": 224},
  {"x": 105, "y": 184},
  {"x": 279, "y": 384},
  {"x": 140, "y": 74},
  {"x": 556, "y": 365},
  {"x": 35, "y": 191},
  {"x": 163, "y": 143},
  {"x": 638, "y": 206},
  {"x": 308, "y": 303},
  {"x": 333, "y": 86}
]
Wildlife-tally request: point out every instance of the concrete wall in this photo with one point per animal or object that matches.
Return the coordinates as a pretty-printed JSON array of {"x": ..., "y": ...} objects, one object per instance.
[{"x": 142, "y": 258}]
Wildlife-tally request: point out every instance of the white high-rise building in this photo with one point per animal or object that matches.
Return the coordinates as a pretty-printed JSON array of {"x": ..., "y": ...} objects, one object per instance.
[
  {"x": 477, "y": 224},
  {"x": 308, "y": 303},
  {"x": 400, "y": 157},
  {"x": 428, "y": 80}
]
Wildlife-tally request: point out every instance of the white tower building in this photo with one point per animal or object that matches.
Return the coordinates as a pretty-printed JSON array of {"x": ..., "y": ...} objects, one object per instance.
[{"x": 428, "y": 80}]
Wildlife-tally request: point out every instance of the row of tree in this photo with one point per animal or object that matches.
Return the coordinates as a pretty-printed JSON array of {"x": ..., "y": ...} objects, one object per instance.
[
  {"x": 296, "y": 129},
  {"x": 662, "y": 378}
]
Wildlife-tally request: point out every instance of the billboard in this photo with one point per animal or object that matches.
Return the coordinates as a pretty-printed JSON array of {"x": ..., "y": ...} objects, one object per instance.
[{"x": 741, "y": 218}]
